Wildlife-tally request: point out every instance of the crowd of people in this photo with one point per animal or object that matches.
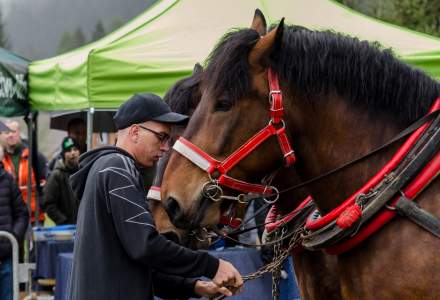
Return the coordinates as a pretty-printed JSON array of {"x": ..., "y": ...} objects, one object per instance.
[{"x": 49, "y": 183}]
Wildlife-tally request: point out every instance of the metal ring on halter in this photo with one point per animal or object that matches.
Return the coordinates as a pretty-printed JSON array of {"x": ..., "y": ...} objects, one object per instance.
[
  {"x": 283, "y": 125},
  {"x": 277, "y": 192},
  {"x": 207, "y": 189}
]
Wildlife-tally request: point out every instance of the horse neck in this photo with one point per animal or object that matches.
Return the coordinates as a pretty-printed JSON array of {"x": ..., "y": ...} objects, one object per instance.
[
  {"x": 331, "y": 131},
  {"x": 288, "y": 201}
]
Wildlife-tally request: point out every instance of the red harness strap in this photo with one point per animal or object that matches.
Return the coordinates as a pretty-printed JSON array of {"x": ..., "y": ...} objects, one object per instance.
[
  {"x": 271, "y": 219},
  {"x": 349, "y": 212},
  {"x": 276, "y": 127},
  {"x": 395, "y": 160}
]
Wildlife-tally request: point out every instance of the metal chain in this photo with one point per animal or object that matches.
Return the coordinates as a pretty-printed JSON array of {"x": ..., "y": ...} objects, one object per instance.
[
  {"x": 278, "y": 259},
  {"x": 276, "y": 273}
]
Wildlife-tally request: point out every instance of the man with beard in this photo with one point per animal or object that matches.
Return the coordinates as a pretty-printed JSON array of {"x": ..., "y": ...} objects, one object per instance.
[{"x": 59, "y": 202}]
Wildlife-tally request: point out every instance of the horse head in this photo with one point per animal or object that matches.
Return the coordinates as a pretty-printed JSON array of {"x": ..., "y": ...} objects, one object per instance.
[{"x": 232, "y": 109}]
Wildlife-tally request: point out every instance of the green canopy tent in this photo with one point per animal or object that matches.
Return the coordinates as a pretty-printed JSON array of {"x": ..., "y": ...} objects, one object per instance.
[
  {"x": 162, "y": 45},
  {"x": 13, "y": 84}
]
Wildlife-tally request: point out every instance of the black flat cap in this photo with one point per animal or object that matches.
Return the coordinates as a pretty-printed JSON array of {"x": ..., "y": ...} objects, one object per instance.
[
  {"x": 146, "y": 107},
  {"x": 4, "y": 128}
]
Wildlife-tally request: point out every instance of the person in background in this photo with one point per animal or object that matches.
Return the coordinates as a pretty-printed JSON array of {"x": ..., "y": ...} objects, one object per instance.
[
  {"x": 59, "y": 202},
  {"x": 16, "y": 162},
  {"x": 14, "y": 218},
  {"x": 77, "y": 130}
]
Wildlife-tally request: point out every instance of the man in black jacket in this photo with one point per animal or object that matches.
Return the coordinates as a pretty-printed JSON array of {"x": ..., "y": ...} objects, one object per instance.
[
  {"x": 118, "y": 253},
  {"x": 14, "y": 218},
  {"x": 59, "y": 202}
]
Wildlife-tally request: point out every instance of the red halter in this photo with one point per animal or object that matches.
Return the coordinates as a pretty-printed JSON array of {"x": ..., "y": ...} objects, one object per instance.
[{"x": 209, "y": 164}]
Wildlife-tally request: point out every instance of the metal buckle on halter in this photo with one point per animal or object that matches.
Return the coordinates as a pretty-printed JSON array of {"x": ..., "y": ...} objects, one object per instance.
[{"x": 273, "y": 92}]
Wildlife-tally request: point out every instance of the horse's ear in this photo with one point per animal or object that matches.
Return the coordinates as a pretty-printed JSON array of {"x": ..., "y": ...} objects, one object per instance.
[
  {"x": 197, "y": 69},
  {"x": 259, "y": 23},
  {"x": 266, "y": 46}
]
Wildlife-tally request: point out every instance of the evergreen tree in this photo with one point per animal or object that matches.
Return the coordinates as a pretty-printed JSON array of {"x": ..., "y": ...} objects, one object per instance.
[
  {"x": 78, "y": 38},
  {"x": 66, "y": 43},
  {"x": 98, "y": 32},
  {"x": 3, "y": 39}
]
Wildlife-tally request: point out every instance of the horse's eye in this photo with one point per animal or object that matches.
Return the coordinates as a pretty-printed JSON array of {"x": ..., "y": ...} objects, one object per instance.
[{"x": 223, "y": 105}]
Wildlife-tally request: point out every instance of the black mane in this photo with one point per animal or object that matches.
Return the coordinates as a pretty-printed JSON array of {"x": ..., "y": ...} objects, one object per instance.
[
  {"x": 181, "y": 93},
  {"x": 315, "y": 63}
]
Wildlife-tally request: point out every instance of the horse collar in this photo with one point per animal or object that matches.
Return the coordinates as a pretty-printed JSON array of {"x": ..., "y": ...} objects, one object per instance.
[{"x": 203, "y": 160}]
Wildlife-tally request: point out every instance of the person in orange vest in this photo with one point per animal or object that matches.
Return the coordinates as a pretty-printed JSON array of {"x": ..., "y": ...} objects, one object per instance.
[{"x": 16, "y": 162}]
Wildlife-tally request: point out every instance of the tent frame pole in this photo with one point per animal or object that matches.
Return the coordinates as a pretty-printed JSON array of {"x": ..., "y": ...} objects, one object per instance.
[{"x": 90, "y": 114}]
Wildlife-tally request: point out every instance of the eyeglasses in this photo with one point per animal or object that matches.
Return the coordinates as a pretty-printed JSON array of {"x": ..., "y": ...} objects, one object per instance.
[{"x": 161, "y": 136}]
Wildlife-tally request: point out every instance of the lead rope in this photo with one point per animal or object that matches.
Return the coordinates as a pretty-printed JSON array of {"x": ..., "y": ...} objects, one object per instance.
[{"x": 276, "y": 263}]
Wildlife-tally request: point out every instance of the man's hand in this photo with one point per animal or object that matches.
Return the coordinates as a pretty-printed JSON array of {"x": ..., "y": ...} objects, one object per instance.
[
  {"x": 227, "y": 276},
  {"x": 209, "y": 289}
]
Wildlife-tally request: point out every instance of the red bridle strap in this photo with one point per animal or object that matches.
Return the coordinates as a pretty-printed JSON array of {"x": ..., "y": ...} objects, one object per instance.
[
  {"x": 154, "y": 193},
  {"x": 275, "y": 127}
]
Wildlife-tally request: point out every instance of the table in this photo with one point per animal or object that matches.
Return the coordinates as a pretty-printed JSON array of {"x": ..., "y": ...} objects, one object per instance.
[
  {"x": 47, "y": 254},
  {"x": 246, "y": 261},
  {"x": 64, "y": 272}
]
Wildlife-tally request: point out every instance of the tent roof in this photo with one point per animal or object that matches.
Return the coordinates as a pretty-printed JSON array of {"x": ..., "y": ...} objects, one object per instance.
[
  {"x": 163, "y": 44},
  {"x": 13, "y": 84}
]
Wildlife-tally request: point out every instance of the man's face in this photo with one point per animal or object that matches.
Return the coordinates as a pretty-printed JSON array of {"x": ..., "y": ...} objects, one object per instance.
[
  {"x": 149, "y": 147},
  {"x": 12, "y": 138},
  {"x": 71, "y": 157},
  {"x": 78, "y": 132}
]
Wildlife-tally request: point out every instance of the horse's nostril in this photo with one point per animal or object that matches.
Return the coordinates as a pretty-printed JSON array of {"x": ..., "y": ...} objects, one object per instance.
[{"x": 173, "y": 209}]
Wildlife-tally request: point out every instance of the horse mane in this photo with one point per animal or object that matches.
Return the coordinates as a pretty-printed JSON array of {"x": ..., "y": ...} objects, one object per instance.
[
  {"x": 180, "y": 95},
  {"x": 315, "y": 63}
]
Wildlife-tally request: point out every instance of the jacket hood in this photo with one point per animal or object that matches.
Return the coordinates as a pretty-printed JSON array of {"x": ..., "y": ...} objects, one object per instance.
[{"x": 86, "y": 161}]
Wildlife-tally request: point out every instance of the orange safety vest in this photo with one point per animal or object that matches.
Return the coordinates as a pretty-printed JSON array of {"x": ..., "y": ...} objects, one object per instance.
[{"x": 23, "y": 179}]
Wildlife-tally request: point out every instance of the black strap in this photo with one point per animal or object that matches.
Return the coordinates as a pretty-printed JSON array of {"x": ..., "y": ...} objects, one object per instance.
[
  {"x": 421, "y": 217},
  {"x": 402, "y": 134}
]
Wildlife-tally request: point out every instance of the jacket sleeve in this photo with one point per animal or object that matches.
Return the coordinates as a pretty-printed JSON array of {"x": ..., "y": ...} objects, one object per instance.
[
  {"x": 173, "y": 287},
  {"x": 51, "y": 196},
  {"x": 126, "y": 201},
  {"x": 20, "y": 214}
]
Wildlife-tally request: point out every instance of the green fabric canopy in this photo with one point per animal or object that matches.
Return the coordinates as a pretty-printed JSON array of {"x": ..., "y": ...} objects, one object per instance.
[
  {"x": 13, "y": 84},
  {"x": 162, "y": 45}
]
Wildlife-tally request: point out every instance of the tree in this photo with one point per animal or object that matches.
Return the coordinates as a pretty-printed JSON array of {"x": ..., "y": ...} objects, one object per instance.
[
  {"x": 3, "y": 39},
  {"x": 66, "y": 43},
  {"x": 98, "y": 32},
  {"x": 419, "y": 15},
  {"x": 78, "y": 38}
]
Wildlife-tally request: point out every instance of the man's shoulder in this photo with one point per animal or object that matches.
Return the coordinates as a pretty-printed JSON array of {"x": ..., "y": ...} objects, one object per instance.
[{"x": 117, "y": 161}]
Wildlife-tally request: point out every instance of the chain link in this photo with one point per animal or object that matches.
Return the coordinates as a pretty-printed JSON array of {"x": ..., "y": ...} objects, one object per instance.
[{"x": 278, "y": 259}]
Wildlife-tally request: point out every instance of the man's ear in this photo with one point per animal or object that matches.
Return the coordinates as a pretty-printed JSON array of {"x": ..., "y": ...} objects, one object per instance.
[{"x": 133, "y": 133}]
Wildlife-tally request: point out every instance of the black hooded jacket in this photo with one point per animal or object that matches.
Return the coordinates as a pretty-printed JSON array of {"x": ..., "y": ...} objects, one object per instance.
[
  {"x": 59, "y": 202},
  {"x": 117, "y": 247},
  {"x": 14, "y": 216}
]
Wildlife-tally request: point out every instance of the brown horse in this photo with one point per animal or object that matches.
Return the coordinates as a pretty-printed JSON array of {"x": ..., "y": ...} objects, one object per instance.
[
  {"x": 315, "y": 271},
  {"x": 342, "y": 98}
]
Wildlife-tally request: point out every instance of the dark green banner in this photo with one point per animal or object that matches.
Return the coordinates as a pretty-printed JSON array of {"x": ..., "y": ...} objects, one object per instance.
[{"x": 13, "y": 85}]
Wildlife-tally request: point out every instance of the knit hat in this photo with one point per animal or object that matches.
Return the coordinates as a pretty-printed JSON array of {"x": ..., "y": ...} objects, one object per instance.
[{"x": 67, "y": 144}]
